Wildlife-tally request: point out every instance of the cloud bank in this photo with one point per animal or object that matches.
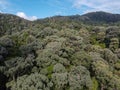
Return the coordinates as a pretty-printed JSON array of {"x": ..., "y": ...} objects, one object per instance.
[
  {"x": 97, "y": 5},
  {"x": 23, "y": 15}
]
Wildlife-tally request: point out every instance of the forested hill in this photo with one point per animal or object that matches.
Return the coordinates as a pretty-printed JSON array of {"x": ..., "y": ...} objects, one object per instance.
[
  {"x": 60, "y": 53},
  {"x": 90, "y": 18},
  {"x": 10, "y": 24},
  {"x": 103, "y": 17}
]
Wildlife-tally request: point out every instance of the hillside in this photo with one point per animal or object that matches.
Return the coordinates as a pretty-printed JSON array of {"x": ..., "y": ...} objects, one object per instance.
[
  {"x": 11, "y": 24},
  {"x": 60, "y": 53}
]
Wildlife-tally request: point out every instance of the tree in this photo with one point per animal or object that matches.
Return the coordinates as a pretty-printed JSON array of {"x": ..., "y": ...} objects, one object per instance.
[
  {"x": 81, "y": 58},
  {"x": 79, "y": 79},
  {"x": 6, "y": 41},
  {"x": 34, "y": 81},
  {"x": 110, "y": 56},
  {"x": 60, "y": 81},
  {"x": 114, "y": 44},
  {"x": 107, "y": 80},
  {"x": 18, "y": 66}
]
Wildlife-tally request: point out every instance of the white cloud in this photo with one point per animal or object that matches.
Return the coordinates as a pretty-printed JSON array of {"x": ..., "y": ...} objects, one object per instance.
[
  {"x": 98, "y": 5},
  {"x": 23, "y": 15}
]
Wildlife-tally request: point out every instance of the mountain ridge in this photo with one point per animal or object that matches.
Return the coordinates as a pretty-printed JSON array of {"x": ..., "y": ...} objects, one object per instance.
[
  {"x": 103, "y": 16},
  {"x": 98, "y": 16},
  {"x": 92, "y": 17},
  {"x": 11, "y": 23}
]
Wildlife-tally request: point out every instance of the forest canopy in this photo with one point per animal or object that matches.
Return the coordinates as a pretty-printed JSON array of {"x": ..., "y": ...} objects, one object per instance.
[{"x": 60, "y": 52}]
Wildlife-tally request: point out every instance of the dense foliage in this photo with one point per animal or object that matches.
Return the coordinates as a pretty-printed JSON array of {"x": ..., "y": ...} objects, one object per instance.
[{"x": 59, "y": 53}]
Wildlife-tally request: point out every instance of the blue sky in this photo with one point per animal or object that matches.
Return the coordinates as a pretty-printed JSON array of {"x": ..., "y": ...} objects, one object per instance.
[{"x": 33, "y": 9}]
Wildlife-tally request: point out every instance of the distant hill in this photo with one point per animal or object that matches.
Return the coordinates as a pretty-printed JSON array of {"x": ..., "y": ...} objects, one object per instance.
[
  {"x": 90, "y": 18},
  {"x": 102, "y": 17},
  {"x": 11, "y": 23}
]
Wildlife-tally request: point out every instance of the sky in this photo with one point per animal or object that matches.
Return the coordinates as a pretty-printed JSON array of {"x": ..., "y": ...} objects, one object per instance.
[{"x": 34, "y": 9}]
